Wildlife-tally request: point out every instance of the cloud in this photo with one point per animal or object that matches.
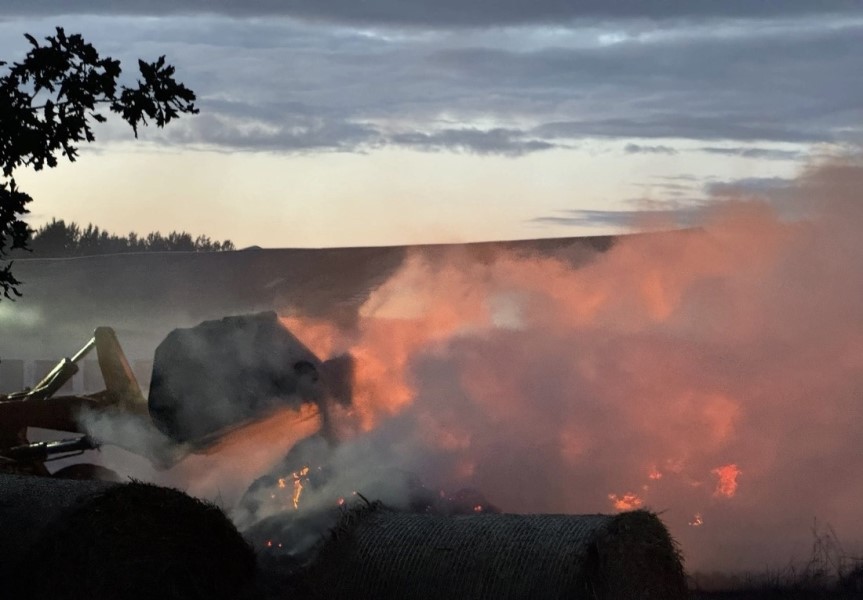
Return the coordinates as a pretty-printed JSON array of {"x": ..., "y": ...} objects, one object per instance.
[
  {"x": 507, "y": 142},
  {"x": 670, "y": 185},
  {"x": 310, "y": 133},
  {"x": 291, "y": 135},
  {"x": 655, "y": 218},
  {"x": 284, "y": 84},
  {"x": 664, "y": 125},
  {"x": 760, "y": 153},
  {"x": 749, "y": 86},
  {"x": 691, "y": 205},
  {"x": 749, "y": 186},
  {"x": 436, "y": 13},
  {"x": 638, "y": 149}
]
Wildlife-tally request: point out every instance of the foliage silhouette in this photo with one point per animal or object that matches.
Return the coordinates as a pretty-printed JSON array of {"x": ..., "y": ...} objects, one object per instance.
[
  {"x": 59, "y": 239},
  {"x": 47, "y": 104}
]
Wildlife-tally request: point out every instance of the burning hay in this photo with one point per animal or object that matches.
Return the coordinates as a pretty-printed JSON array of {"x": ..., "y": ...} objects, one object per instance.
[
  {"x": 100, "y": 540},
  {"x": 432, "y": 544},
  {"x": 379, "y": 553}
]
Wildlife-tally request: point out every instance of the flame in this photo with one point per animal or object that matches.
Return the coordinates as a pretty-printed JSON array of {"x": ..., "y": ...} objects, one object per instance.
[
  {"x": 298, "y": 478},
  {"x": 654, "y": 474},
  {"x": 229, "y": 467},
  {"x": 477, "y": 508},
  {"x": 318, "y": 336},
  {"x": 629, "y": 501},
  {"x": 726, "y": 484},
  {"x": 697, "y": 520},
  {"x": 398, "y": 321},
  {"x": 282, "y": 483}
]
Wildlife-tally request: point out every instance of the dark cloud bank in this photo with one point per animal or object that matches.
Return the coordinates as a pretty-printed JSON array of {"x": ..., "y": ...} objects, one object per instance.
[
  {"x": 443, "y": 12},
  {"x": 776, "y": 72}
]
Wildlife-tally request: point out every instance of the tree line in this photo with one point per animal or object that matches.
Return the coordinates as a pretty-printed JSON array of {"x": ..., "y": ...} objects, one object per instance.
[
  {"x": 61, "y": 239},
  {"x": 48, "y": 103}
]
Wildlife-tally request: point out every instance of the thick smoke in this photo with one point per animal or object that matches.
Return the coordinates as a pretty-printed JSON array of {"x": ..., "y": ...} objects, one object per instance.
[
  {"x": 221, "y": 473},
  {"x": 713, "y": 374}
]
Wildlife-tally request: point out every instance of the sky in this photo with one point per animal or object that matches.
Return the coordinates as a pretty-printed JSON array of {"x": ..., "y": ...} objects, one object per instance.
[{"x": 346, "y": 123}]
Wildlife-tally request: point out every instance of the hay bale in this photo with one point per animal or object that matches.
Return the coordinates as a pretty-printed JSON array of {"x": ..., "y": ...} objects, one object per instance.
[
  {"x": 224, "y": 373},
  {"x": 386, "y": 554},
  {"x": 69, "y": 539}
]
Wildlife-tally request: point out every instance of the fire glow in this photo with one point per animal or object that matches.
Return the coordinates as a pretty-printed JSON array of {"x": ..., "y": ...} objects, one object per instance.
[
  {"x": 563, "y": 381},
  {"x": 627, "y": 501},
  {"x": 298, "y": 479},
  {"x": 726, "y": 484}
]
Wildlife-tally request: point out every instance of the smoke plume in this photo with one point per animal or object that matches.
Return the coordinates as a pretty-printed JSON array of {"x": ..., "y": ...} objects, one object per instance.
[{"x": 712, "y": 374}]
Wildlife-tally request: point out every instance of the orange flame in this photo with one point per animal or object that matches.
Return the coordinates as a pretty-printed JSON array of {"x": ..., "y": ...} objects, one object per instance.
[
  {"x": 380, "y": 385},
  {"x": 399, "y": 319},
  {"x": 726, "y": 485},
  {"x": 298, "y": 485},
  {"x": 629, "y": 501}
]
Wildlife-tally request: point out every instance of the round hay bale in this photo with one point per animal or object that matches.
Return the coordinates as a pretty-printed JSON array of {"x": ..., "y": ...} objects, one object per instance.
[
  {"x": 69, "y": 539},
  {"x": 386, "y": 554},
  {"x": 87, "y": 471},
  {"x": 223, "y": 373}
]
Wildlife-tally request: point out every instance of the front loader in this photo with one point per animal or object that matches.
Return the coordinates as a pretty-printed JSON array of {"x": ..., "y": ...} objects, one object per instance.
[
  {"x": 41, "y": 407},
  {"x": 207, "y": 381}
]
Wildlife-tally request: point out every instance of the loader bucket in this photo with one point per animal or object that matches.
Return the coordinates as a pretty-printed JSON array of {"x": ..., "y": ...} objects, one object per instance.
[{"x": 118, "y": 375}]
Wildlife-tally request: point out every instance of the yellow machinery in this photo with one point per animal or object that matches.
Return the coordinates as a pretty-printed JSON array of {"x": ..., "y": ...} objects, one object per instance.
[
  {"x": 207, "y": 380},
  {"x": 39, "y": 407}
]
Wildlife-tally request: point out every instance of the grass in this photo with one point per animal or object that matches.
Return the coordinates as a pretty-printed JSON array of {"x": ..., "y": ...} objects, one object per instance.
[{"x": 830, "y": 573}]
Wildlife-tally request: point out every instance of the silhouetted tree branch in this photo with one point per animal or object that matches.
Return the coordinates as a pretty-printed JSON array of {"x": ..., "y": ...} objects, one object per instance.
[{"x": 47, "y": 104}]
